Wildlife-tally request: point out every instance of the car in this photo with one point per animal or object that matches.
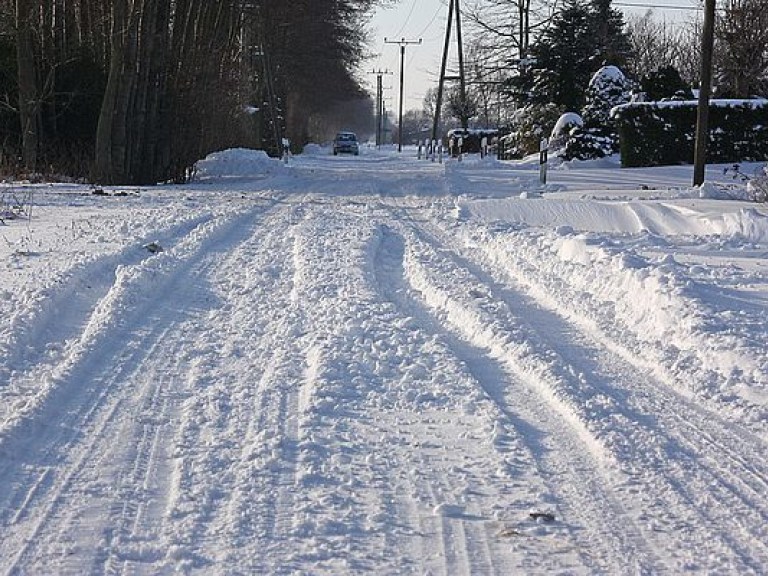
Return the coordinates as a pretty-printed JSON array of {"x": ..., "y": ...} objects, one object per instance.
[{"x": 346, "y": 143}]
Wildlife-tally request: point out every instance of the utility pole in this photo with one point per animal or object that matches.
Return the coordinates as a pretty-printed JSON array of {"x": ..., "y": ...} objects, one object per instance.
[
  {"x": 453, "y": 9},
  {"x": 379, "y": 104},
  {"x": 702, "y": 113},
  {"x": 403, "y": 43}
]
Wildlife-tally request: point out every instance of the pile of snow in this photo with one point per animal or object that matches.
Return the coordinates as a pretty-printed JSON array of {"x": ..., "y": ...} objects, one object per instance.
[
  {"x": 313, "y": 149},
  {"x": 237, "y": 163}
]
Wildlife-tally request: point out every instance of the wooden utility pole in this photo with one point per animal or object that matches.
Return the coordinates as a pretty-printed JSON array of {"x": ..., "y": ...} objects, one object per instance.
[
  {"x": 702, "y": 114},
  {"x": 453, "y": 9},
  {"x": 379, "y": 104},
  {"x": 462, "y": 79},
  {"x": 403, "y": 43}
]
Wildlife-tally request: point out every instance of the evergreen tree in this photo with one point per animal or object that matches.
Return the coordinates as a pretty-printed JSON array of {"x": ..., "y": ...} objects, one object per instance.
[
  {"x": 610, "y": 39},
  {"x": 528, "y": 126},
  {"x": 664, "y": 82},
  {"x": 562, "y": 55},
  {"x": 582, "y": 38},
  {"x": 609, "y": 87},
  {"x": 598, "y": 137}
]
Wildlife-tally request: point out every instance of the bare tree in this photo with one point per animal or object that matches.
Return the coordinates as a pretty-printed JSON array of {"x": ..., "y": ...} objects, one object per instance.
[
  {"x": 657, "y": 44},
  {"x": 741, "y": 32},
  {"x": 147, "y": 87},
  {"x": 316, "y": 44},
  {"x": 167, "y": 59},
  {"x": 29, "y": 93},
  {"x": 502, "y": 33},
  {"x": 509, "y": 26}
]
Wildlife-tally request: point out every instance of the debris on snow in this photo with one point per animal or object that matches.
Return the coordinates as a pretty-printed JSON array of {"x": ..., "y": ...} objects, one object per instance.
[{"x": 153, "y": 247}]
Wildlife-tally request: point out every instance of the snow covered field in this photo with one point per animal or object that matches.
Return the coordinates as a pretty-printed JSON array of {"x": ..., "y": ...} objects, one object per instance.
[{"x": 376, "y": 365}]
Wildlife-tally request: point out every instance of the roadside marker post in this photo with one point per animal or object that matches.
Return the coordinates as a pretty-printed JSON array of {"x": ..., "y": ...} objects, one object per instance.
[{"x": 543, "y": 160}]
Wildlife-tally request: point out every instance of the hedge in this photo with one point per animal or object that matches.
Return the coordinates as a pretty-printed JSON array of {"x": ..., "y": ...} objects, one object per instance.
[{"x": 663, "y": 133}]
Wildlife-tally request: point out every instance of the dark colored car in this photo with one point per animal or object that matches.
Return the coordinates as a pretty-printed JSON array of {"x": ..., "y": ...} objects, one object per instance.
[{"x": 346, "y": 143}]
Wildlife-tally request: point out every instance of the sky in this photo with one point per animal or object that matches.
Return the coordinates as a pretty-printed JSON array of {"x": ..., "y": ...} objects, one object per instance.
[{"x": 426, "y": 19}]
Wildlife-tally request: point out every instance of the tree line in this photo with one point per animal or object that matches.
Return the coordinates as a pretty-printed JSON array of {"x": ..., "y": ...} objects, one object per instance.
[
  {"x": 528, "y": 61},
  {"x": 135, "y": 91}
]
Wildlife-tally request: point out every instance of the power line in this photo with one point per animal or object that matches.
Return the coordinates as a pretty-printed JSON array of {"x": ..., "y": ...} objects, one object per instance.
[
  {"x": 660, "y": 6},
  {"x": 407, "y": 19},
  {"x": 432, "y": 21}
]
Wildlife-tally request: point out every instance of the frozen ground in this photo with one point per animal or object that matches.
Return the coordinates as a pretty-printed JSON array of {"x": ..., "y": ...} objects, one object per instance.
[{"x": 378, "y": 365}]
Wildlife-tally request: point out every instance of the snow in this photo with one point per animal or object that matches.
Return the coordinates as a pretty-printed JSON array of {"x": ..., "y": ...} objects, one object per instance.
[
  {"x": 753, "y": 103},
  {"x": 388, "y": 366},
  {"x": 236, "y": 163},
  {"x": 567, "y": 120},
  {"x": 607, "y": 75}
]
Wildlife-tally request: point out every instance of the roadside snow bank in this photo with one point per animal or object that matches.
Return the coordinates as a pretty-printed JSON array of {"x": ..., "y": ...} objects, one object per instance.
[
  {"x": 674, "y": 217},
  {"x": 237, "y": 163},
  {"x": 660, "y": 307},
  {"x": 313, "y": 149}
]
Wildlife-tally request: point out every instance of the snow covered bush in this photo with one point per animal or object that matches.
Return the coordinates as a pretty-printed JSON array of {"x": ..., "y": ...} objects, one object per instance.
[
  {"x": 663, "y": 133},
  {"x": 528, "y": 126},
  {"x": 609, "y": 87},
  {"x": 562, "y": 130},
  {"x": 598, "y": 136},
  {"x": 757, "y": 183},
  {"x": 665, "y": 83},
  {"x": 757, "y": 187}
]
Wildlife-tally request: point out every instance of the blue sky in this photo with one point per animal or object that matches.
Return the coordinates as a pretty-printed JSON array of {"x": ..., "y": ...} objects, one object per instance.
[{"x": 425, "y": 19}]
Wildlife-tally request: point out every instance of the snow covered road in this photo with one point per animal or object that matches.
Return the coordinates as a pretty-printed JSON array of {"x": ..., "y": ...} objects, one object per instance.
[{"x": 381, "y": 366}]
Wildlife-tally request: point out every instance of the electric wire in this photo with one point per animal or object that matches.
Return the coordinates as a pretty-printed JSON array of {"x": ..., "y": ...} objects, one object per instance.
[
  {"x": 659, "y": 6},
  {"x": 407, "y": 19},
  {"x": 432, "y": 21}
]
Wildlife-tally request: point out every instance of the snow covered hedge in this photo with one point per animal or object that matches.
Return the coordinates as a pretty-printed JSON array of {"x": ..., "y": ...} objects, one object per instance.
[{"x": 663, "y": 133}]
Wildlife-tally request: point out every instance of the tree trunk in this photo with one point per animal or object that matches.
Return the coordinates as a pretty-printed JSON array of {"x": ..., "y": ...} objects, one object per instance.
[
  {"x": 29, "y": 97},
  {"x": 111, "y": 137}
]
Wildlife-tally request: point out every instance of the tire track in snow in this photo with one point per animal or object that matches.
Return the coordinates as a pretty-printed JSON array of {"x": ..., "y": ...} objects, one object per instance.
[
  {"x": 563, "y": 449},
  {"x": 523, "y": 439},
  {"x": 41, "y": 336},
  {"x": 252, "y": 445},
  {"x": 652, "y": 429},
  {"x": 74, "y": 436}
]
